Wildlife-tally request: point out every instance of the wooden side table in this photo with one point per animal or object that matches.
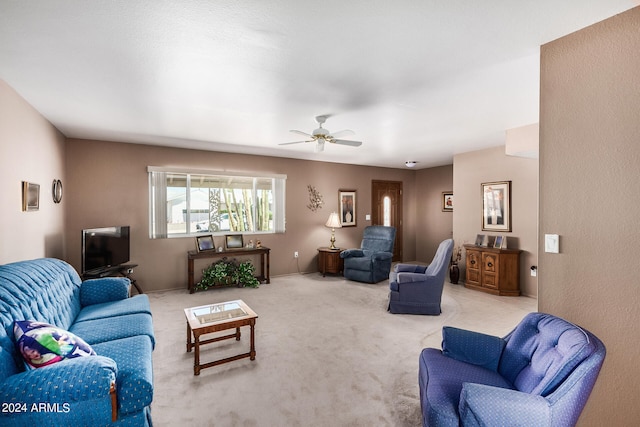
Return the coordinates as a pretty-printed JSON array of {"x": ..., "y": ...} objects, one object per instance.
[{"x": 329, "y": 261}]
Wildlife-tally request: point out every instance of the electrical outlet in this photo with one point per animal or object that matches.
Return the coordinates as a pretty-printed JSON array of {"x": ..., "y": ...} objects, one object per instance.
[{"x": 295, "y": 254}]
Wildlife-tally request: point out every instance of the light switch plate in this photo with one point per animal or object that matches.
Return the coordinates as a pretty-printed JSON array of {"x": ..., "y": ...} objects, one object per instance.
[
  {"x": 552, "y": 243},
  {"x": 367, "y": 217}
]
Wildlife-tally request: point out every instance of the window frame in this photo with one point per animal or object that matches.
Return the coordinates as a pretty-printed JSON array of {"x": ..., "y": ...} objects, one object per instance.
[{"x": 158, "y": 199}]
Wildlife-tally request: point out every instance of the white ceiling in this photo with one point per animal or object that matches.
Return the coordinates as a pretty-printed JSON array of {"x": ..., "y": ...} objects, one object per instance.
[{"x": 415, "y": 80}]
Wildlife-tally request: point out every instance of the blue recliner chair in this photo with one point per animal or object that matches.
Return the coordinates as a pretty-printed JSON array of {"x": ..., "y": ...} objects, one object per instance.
[
  {"x": 417, "y": 289},
  {"x": 540, "y": 374},
  {"x": 372, "y": 262}
]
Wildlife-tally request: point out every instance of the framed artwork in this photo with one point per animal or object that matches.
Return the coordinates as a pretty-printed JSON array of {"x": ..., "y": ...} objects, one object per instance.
[
  {"x": 30, "y": 196},
  {"x": 234, "y": 241},
  {"x": 347, "y": 205},
  {"x": 480, "y": 240},
  {"x": 496, "y": 206},
  {"x": 447, "y": 201},
  {"x": 204, "y": 243},
  {"x": 497, "y": 244}
]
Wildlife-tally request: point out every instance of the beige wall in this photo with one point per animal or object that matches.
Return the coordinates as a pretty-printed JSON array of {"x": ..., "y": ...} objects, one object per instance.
[
  {"x": 470, "y": 170},
  {"x": 31, "y": 149},
  {"x": 432, "y": 224},
  {"x": 589, "y": 179},
  {"x": 107, "y": 185}
]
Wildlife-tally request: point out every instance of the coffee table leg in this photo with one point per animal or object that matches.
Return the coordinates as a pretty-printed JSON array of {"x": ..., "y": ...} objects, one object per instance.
[
  {"x": 253, "y": 342},
  {"x": 196, "y": 356},
  {"x": 238, "y": 334},
  {"x": 188, "y": 338}
]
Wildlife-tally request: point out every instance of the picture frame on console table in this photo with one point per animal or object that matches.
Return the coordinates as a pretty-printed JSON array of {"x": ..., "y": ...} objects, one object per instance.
[
  {"x": 347, "y": 205},
  {"x": 234, "y": 241},
  {"x": 496, "y": 206},
  {"x": 204, "y": 243}
]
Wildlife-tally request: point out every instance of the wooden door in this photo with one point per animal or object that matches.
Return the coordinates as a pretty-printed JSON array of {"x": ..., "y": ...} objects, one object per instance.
[{"x": 386, "y": 209}]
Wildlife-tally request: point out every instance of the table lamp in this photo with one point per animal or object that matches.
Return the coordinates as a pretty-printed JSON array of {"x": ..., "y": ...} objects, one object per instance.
[{"x": 333, "y": 222}]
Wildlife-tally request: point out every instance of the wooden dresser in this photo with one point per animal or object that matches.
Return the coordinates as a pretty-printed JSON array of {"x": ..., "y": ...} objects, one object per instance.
[{"x": 496, "y": 271}]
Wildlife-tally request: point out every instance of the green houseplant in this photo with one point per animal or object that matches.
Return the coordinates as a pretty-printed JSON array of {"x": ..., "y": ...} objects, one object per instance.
[{"x": 226, "y": 272}]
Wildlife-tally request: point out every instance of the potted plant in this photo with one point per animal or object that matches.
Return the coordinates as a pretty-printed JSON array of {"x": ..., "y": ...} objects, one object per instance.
[
  {"x": 244, "y": 275},
  {"x": 226, "y": 272}
]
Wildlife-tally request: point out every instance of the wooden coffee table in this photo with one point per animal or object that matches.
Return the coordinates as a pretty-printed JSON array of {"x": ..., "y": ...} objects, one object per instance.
[{"x": 207, "y": 319}]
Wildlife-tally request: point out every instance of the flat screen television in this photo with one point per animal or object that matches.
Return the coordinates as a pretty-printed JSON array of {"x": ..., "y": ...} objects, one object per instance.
[{"x": 104, "y": 249}]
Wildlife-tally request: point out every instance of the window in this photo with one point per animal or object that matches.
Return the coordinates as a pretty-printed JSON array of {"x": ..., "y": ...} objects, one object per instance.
[{"x": 184, "y": 203}]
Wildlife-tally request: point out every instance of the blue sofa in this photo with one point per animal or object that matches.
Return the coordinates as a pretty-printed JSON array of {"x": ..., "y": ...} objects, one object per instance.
[
  {"x": 114, "y": 387},
  {"x": 370, "y": 263},
  {"x": 417, "y": 289},
  {"x": 540, "y": 374}
]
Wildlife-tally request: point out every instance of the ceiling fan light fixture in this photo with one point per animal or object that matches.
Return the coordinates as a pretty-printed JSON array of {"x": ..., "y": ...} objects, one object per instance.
[{"x": 410, "y": 163}]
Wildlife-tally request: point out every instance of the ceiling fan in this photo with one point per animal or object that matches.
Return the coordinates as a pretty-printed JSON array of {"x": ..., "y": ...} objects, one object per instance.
[{"x": 322, "y": 135}]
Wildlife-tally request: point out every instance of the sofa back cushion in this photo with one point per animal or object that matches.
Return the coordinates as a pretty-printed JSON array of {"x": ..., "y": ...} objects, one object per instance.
[
  {"x": 542, "y": 351},
  {"x": 46, "y": 290}
]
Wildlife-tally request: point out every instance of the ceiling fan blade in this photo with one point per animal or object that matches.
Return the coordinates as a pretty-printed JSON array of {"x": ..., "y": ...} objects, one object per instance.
[
  {"x": 299, "y": 132},
  {"x": 294, "y": 142},
  {"x": 345, "y": 132},
  {"x": 347, "y": 142}
]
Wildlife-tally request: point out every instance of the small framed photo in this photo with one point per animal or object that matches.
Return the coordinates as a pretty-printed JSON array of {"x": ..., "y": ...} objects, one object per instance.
[
  {"x": 234, "y": 241},
  {"x": 497, "y": 244},
  {"x": 496, "y": 206},
  {"x": 347, "y": 205},
  {"x": 480, "y": 240},
  {"x": 447, "y": 201},
  {"x": 30, "y": 196},
  {"x": 204, "y": 243}
]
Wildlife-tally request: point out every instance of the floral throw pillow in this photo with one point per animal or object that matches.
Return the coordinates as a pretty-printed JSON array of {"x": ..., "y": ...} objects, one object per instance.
[{"x": 42, "y": 344}]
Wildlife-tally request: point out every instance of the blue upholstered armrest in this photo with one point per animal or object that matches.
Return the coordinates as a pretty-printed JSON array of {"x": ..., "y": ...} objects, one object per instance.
[
  {"x": 106, "y": 289},
  {"x": 483, "y": 405},
  {"x": 379, "y": 256},
  {"x": 410, "y": 268},
  {"x": 406, "y": 277},
  {"x": 72, "y": 380},
  {"x": 472, "y": 347},
  {"x": 351, "y": 253}
]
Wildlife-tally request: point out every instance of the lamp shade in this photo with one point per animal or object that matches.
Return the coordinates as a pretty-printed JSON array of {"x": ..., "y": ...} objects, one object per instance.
[{"x": 333, "y": 221}]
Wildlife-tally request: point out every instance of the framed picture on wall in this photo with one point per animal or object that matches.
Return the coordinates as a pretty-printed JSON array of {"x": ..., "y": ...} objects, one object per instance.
[
  {"x": 347, "y": 205},
  {"x": 447, "y": 201},
  {"x": 496, "y": 206},
  {"x": 30, "y": 196}
]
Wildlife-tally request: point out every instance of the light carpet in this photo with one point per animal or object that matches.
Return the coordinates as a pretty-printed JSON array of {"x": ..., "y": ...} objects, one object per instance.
[{"x": 327, "y": 354}]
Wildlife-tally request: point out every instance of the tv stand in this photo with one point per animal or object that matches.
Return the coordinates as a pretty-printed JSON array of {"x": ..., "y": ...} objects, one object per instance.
[{"x": 122, "y": 270}]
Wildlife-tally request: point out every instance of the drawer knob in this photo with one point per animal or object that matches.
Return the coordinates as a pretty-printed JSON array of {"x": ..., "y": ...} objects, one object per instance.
[
  {"x": 473, "y": 262},
  {"x": 489, "y": 265}
]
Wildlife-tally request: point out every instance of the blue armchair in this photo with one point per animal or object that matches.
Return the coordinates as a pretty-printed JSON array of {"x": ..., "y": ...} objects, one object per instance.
[
  {"x": 417, "y": 289},
  {"x": 372, "y": 262},
  {"x": 540, "y": 374}
]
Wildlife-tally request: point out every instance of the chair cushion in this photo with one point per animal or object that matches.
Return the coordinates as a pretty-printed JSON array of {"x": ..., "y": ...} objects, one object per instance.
[
  {"x": 445, "y": 377},
  {"x": 42, "y": 344},
  {"x": 542, "y": 351}
]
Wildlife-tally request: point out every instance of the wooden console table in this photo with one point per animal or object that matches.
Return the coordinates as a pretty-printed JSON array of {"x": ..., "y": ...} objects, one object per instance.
[
  {"x": 264, "y": 262},
  {"x": 495, "y": 271}
]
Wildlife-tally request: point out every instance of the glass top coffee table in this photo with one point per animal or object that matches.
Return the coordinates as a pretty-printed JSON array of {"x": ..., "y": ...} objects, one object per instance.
[{"x": 207, "y": 319}]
